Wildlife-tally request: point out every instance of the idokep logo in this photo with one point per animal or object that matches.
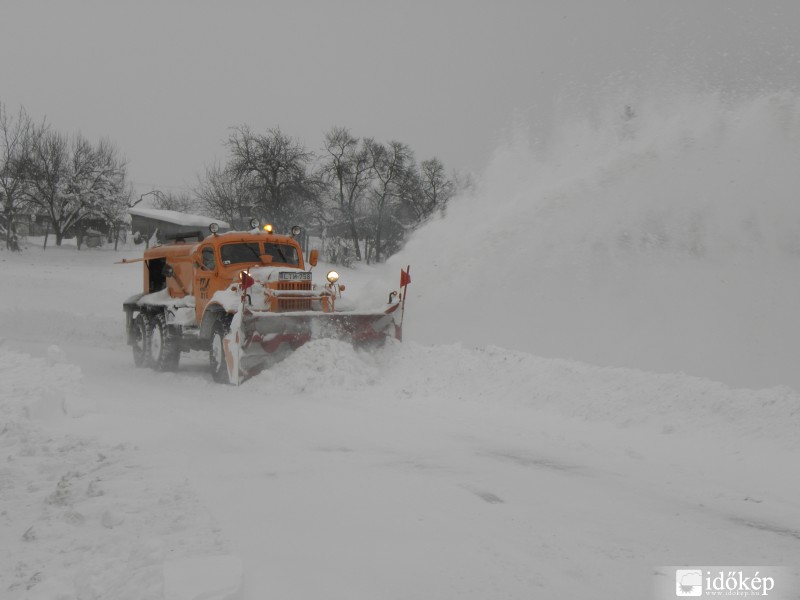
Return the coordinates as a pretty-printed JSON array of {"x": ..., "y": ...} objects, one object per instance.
[
  {"x": 715, "y": 581},
  {"x": 688, "y": 582}
]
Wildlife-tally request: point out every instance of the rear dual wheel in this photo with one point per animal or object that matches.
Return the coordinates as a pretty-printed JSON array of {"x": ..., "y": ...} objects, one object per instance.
[
  {"x": 164, "y": 352},
  {"x": 216, "y": 354},
  {"x": 153, "y": 344},
  {"x": 139, "y": 335}
]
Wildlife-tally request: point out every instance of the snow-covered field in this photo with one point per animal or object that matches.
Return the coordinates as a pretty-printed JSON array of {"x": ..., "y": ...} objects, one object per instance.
[
  {"x": 417, "y": 472},
  {"x": 445, "y": 466}
]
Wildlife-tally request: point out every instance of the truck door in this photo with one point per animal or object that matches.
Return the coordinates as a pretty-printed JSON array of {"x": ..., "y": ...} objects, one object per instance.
[{"x": 206, "y": 278}]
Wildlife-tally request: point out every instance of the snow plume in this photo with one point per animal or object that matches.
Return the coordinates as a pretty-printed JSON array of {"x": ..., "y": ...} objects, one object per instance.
[{"x": 661, "y": 233}]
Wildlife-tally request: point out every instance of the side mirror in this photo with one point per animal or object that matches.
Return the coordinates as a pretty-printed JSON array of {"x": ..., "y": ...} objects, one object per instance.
[
  {"x": 266, "y": 259},
  {"x": 312, "y": 258},
  {"x": 169, "y": 271}
]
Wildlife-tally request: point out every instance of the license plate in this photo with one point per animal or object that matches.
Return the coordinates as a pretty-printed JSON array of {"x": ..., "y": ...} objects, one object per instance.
[{"x": 294, "y": 276}]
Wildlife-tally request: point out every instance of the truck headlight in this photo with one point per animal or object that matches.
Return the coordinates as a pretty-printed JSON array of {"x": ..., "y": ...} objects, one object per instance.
[{"x": 333, "y": 276}]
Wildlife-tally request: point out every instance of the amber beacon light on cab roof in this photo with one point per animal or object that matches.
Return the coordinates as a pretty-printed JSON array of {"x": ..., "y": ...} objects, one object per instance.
[{"x": 247, "y": 298}]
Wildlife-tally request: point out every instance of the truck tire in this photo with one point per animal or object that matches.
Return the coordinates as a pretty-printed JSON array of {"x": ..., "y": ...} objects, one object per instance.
[
  {"x": 139, "y": 340},
  {"x": 164, "y": 351},
  {"x": 216, "y": 353}
]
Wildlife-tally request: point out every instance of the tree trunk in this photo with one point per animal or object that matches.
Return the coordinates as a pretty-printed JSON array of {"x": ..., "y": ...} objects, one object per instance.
[
  {"x": 10, "y": 228},
  {"x": 378, "y": 233},
  {"x": 354, "y": 235}
]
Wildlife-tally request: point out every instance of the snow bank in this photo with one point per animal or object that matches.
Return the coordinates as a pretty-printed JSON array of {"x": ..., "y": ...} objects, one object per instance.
[
  {"x": 495, "y": 377},
  {"x": 452, "y": 472}
]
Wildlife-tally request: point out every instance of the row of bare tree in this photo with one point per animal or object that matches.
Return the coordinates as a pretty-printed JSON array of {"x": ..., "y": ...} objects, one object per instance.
[
  {"x": 362, "y": 196},
  {"x": 65, "y": 178}
]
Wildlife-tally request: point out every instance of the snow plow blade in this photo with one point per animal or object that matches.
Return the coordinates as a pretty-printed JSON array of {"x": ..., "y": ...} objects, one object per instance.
[{"x": 261, "y": 338}]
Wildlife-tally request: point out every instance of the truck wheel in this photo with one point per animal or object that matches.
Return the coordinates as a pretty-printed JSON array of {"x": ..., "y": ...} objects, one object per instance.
[
  {"x": 216, "y": 354},
  {"x": 164, "y": 351},
  {"x": 139, "y": 340}
]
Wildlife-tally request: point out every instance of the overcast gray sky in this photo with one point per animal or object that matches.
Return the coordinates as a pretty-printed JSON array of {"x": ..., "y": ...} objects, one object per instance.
[{"x": 166, "y": 80}]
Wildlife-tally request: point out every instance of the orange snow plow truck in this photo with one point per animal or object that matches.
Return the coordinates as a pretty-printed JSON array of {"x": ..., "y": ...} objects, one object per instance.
[{"x": 247, "y": 299}]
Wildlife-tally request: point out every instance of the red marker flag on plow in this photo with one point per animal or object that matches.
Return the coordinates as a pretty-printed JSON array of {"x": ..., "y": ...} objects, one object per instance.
[
  {"x": 247, "y": 280},
  {"x": 405, "y": 278}
]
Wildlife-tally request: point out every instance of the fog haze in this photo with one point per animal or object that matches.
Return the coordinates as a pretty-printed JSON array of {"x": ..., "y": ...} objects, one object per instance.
[{"x": 166, "y": 81}]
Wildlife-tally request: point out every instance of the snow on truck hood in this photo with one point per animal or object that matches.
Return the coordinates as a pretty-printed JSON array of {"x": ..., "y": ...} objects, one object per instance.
[{"x": 231, "y": 297}]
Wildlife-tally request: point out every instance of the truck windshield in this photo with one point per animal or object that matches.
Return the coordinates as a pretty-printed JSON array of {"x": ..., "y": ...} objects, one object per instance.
[
  {"x": 233, "y": 254},
  {"x": 282, "y": 253}
]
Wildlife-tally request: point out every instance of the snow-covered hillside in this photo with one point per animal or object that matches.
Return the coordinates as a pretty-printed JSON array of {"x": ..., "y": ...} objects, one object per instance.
[{"x": 421, "y": 471}]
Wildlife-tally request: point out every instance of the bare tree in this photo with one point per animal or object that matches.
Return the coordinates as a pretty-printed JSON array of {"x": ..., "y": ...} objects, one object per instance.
[
  {"x": 348, "y": 168},
  {"x": 114, "y": 193},
  {"x": 276, "y": 167},
  {"x": 15, "y": 136},
  {"x": 182, "y": 202},
  {"x": 223, "y": 195},
  {"x": 437, "y": 188},
  {"x": 72, "y": 180},
  {"x": 425, "y": 191},
  {"x": 47, "y": 175},
  {"x": 389, "y": 163},
  {"x": 96, "y": 182},
  {"x": 115, "y": 211}
]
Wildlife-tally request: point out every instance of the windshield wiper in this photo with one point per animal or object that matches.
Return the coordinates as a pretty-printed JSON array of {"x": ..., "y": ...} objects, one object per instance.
[
  {"x": 283, "y": 256},
  {"x": 254, "y": 251}
]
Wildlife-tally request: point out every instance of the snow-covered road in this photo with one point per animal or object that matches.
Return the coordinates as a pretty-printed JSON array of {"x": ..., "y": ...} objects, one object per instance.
[{"x": 416, "y": 472}]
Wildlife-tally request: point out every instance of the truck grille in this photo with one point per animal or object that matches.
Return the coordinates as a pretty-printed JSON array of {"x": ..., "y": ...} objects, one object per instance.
[
  {"x": 294, "y": 285},
  {"x": 291, "y": 304}
]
